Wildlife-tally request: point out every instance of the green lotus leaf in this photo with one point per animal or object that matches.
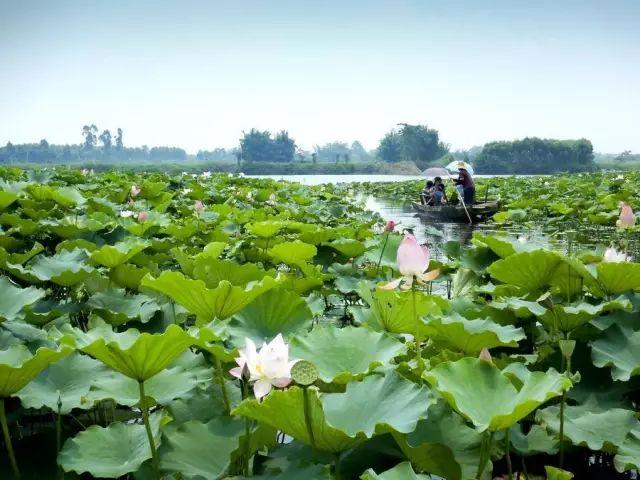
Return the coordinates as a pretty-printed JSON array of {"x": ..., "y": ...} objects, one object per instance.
[
  {"x": 618, "y": 348},
  {"x": 393, "y": 311},
  {"x": 109, "y": 452},
  {"x": 308, "y": 472},
  {"x": 530, "y": 271},
  {"x": 342, "y": 354},
  {"x": 566, "y": 318},
  {"x": 377, "y": 403},
  {"x": 14, "y": 299},
  {"x": 276, "y": 311},
  {"x": 111, "y": 256},
  {"x": 266, "y": 228},
  {"x": 201, "y": 450},
  {"x": 463, "y": 282},
  {"x": 628, "y": 456},
  {"x": 66, "y": 268},
  {"x": 293, "y": 253},
  {"x": 500, "y": 246},
  {"x": 617, "y": 278},
  {"x": 6, "y": 199},
  {"x": 138, "y": 356},
  {"x": 588, "y": 425},
  {"x": 65, "y": 196},
  {"x": 402, "y": 471},
  {"x": 284, "y": 410},
  {"x": 533, "y": 443},
  {"x": 483, "y": 394},
  {"x": 383, "y": 249},
  {"x": 213, "y": 271},
  {"x": 128, "y": 276},
  {"x": 470, "y": 336},
  {"x": 67, "y": 381},
  {"x": 166, "y": 386},
  {"x": 521, "y": 308},
  {"x": 207, "y": 304},
  {"x": 443, "y": 445},
  {"x": 18, "y": 366},
  {"x": 117, "y": 308},
  {"x": 348, "y": 247},
  {"x": 554, "y": 473}
]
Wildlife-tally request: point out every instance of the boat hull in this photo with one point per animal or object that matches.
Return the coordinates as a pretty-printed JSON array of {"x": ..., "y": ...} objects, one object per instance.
[{"x": 479, "y": 212}]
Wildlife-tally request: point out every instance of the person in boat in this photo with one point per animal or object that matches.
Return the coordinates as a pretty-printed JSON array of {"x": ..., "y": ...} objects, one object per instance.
[
  {"x": 465, "y": 180},
  {"x": 439, "y": 194},
  {"x": 427, "y": 193}
]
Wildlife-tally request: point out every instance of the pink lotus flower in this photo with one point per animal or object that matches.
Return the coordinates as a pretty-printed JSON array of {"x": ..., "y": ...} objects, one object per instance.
[
  {"x": 413, "y": 262},
  {"x": 198, "y": 206},
  {"x": 142, "y": 217},
  {"x": 627, "y": 218},
  {"x": 485, "y": 355},
  {"x": 135, "y": 191},
  {"x": 390, "y": 226},
  {"x": 270, "y": 367}
]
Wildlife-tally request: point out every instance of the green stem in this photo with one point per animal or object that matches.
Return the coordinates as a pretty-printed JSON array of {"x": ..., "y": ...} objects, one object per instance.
[
  {"x": 58, "y": 427},
  {"x": 508, "y": 441},
  {"x": 562, "y": 402},
  {"x": 384, "y": 245},
  {"x": 147, "y": 426},
  {"x": 307, "y": 420},
  {"x": 223, "y": 386},
  {"x": 336, "y": 468},
  {"x": 485, "y": 453},
  {"x": 247, "y": 434},
  {"x": 417, "y": 339},
  {"x": 7, "y": 440}
]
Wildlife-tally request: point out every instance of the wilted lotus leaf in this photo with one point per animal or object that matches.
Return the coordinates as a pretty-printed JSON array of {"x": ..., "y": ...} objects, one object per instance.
[
  {"x": 284, "y": 410},
  {"x": 66, "y": 268},
  {"x": 207, "y": 303},
  {"x": 116, "y": 307},
  {"x": 487, "y": 397},
  {"x": 293, "y": 253},
  {"x": 402, "y": 471},
  {"x": 201, "y": 450},
  {"x": 471, "y": 336},
  {"x": 13, "y": 299},
  {"x": 18, "y": 366},
  {"x": 137, "y": 355},
  {"x": 67, "y": 380},
  {"x": 111, "y": 256},
  {"x": 109, "y": 452},
  {"x": 530, "y": 271},
  {"x": 377, "y": 404},
  {"x": 342, "y": 354}
]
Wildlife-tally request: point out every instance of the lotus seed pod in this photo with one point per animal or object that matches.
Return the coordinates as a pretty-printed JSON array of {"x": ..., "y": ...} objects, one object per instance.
[{"x": 304, "y": 373}]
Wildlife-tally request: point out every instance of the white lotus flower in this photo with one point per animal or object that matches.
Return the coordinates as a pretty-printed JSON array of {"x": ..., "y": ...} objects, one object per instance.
[
  {"x": 206, "y": 174},
  {"x": 135, "y": 190},
  {"x": 186, "y": 191},
  {"x": 270, "y": 367},
  {"x": 611, "y": 255},
  {"x": 126, "y": 213}
]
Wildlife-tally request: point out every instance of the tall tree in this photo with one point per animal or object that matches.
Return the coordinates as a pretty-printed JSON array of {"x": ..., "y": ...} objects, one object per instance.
[
  {"x": 390, "y": 148},
  {"x": 105, "y": 138},
  {"x": 89, "y": 133},
  {"x": 119, "y": 144}
]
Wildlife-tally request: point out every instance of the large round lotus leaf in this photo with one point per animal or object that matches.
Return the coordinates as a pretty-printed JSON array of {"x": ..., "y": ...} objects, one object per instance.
[
  {"x": 127, "y": 275},
  {"x": 13, "y": 299},
  {"x": 293, "y": 253},
  {"x": 463, "y": 283},
  {"x": 443, "y": 445},
  {"x": 277, "y": 311},
  {"x": 348, "y": 247},
  {"x": 340, "y": 354},
  {"x": 618, "y": 348},
  {"x": 164, "y": 387},
  {"x": 6, "y": 199},
  {"x": 138, "y": 356},
  {"x": 521, "y": 308},
  {"x": 199, "y": 451},
  {"x": 537, "y": 441},
  {"x": 485, "y": 395},
  {"x": 402, "y": 471},
  {"x": 116, "y": 307},
  {"x": 530, "y": 271},
  {"x": 64, "y": 196},
  {"x": 566, "y": 318},
  {"x": 66, "y": 268},
  {"x": 500, "y": 246},
  {"x": 284, "y": 410},
  {"x": 554, "y": 473},
  {"x": 18, "y": 366},
  {"x": 383, "y": 249},
  {"x": 393, "y": 311},
  {"x": 471, "y": 336},
  {"x": 266, "y": 228},
  {"x": 377, "y": 403},
  {"x": 68, "y": 381},
  {"x": 213, "y": 271},
  {"x": 109, "y": 452},
  {"x": 206, "y": 303},
  {"x": 628, "y": 456},
  {"x": 589, "y": 425},
  {"x": 616, "y": 278},
  {"x": 113, "y": 255}
]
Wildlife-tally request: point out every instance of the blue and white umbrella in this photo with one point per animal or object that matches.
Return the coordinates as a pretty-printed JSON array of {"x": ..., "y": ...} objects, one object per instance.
[{"x": 458, "y": 164}]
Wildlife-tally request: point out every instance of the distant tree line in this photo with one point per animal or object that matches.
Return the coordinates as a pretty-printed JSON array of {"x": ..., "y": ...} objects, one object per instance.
[
  {"x": 535, "y": 155},
  {"x": 412, "y": 143}
]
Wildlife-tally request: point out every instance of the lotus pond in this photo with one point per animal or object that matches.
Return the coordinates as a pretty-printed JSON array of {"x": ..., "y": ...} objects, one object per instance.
[{"x": 204, "y": 327}]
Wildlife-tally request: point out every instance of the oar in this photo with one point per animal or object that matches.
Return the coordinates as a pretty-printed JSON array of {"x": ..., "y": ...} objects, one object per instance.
[{"x": 461, "y": 200}]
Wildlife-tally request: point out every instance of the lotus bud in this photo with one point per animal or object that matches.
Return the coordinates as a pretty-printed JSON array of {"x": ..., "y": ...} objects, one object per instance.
[
  {"x": 142, "y": 216},
  {"x": 627, "y": 218},
  {"x": 135, "y": 190},
  {"x": 390, "y": 226},
  {"x": 245, "y": 374},
  {"x": 198, "y": 206},
  {"x": 485, "y": 355}
]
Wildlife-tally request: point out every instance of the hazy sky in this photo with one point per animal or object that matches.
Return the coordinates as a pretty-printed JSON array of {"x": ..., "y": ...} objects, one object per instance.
[{"x": 196, "y": 73}]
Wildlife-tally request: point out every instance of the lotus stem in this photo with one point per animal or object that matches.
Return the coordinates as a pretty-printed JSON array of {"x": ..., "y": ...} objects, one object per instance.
[
  {"x": 59, "y": 426},
  {"x": 307, "y": 420},
  {"x": 562, "y": 402},
  {"x": 485, "y": 453},
  {"x": 7, "y": 440},
  {"x": 147, "y": 426},
  {"x": 508, "y": 447},
  {"x": 384, "y": 245},
  {"x": 417, "y": 339},
  {"x": 247, "y": 434},
  {"x": 223, "y": 387},
  {"x": 336, "y": 468}
]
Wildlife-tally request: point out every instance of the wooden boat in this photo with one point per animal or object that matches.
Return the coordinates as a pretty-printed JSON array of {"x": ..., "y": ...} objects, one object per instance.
[{"x": 478, "y": 212}]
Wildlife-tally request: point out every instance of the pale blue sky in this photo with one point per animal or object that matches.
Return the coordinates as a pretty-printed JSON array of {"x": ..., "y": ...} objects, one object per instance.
[{"x": 196, "y": 73}]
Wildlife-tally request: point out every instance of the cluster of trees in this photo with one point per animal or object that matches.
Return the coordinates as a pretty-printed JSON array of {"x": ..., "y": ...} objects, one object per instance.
[
  {"x": 412, "y": 143},
  {"x": 260, "y": 146},
  {"x": 535, "y": 156}
]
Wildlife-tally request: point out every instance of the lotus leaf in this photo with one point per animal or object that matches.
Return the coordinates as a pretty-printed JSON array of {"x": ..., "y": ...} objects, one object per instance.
[
  {"x": 66, "y": 268},
  {"x": 18, "y": 366},
  {"x": 350, "y": 248},
  {"x": 116, "y": 308},
  {"x": 6, "y": 199},
  {"x": 14, "y": 299},
  {"x": 535, "y": 442},
  {"x": 554, "y": 473},
  {"x": 293, "y": 253},
  {"x": 618, "y": 348},
  {"x": 483, "y": 394},
  {"x": 212, "y": 271},
  {"x": 402, "y": 471},
  {"x": 111, "y": 256},
  {"x": 617, "y": 278},
  {"x": 628, "y": 456},
  {"x": 566, "y": 318},
  {"x": 342, "y": 354},
  {"x": 530, "y": 271}
]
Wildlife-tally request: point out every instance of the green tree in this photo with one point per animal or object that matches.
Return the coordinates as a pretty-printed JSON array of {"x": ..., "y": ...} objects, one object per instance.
[
  {"x": 89, "y": 133},
  {"x": 415, "y": 143},
  {"x": 119, "y": 144},
  {"x": 390, "y": 148},
  {"x": 105, "y": 138}
]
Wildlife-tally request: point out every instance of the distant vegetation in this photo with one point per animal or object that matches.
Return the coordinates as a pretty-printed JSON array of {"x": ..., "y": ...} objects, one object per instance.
[{"x": 406, "y": 149}]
